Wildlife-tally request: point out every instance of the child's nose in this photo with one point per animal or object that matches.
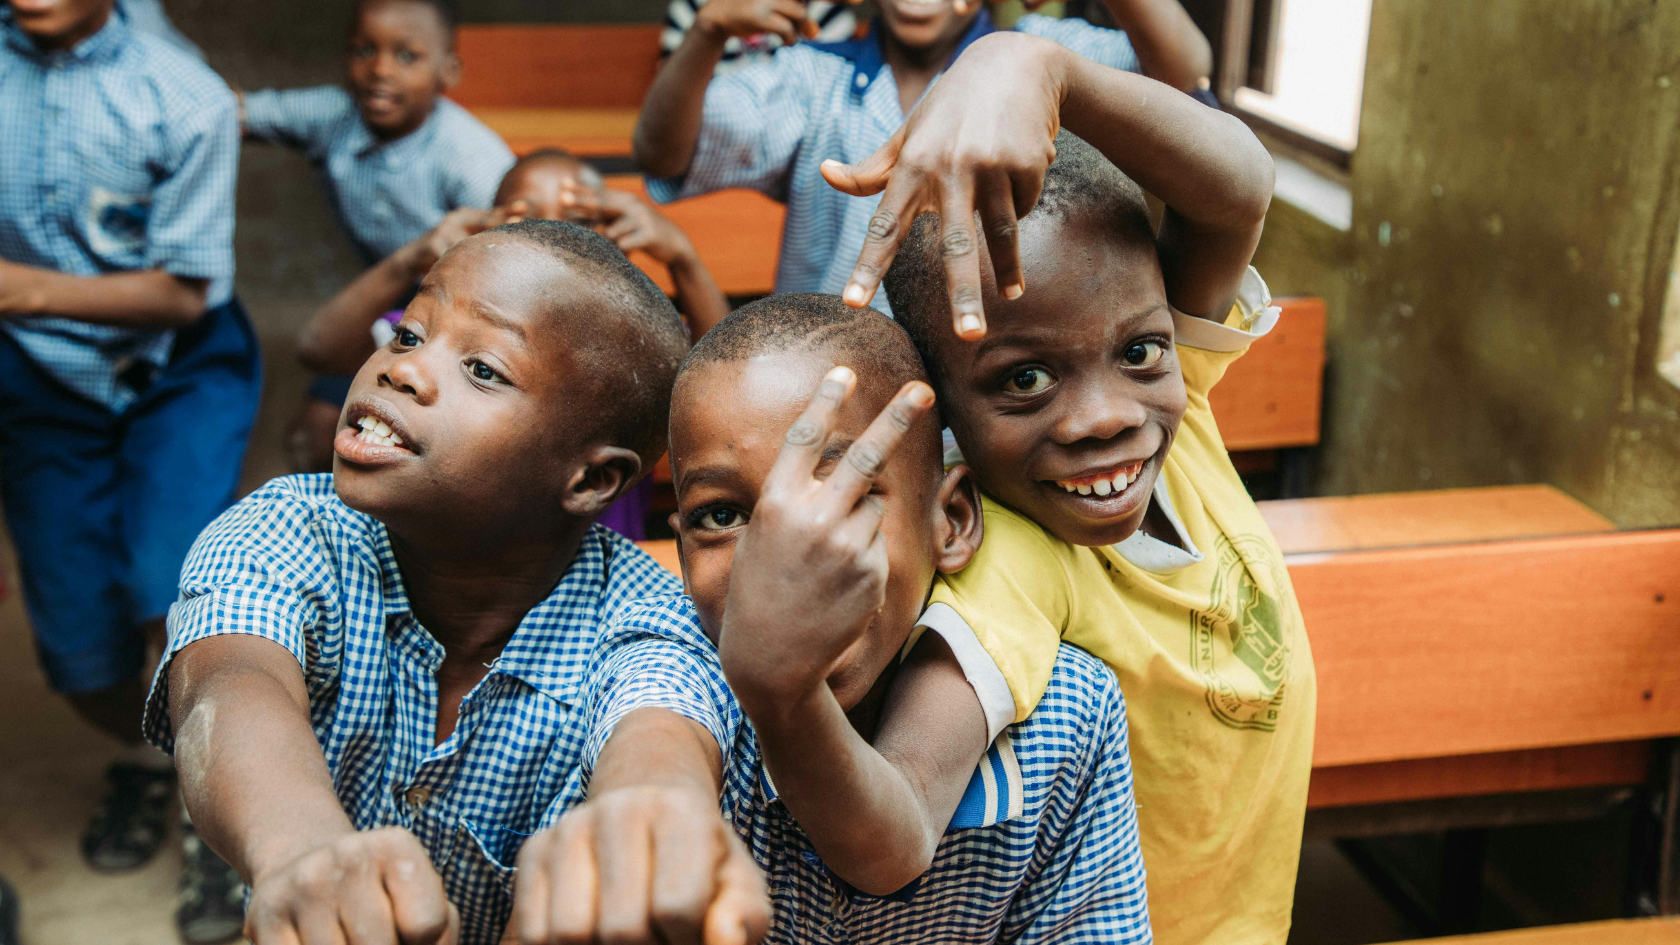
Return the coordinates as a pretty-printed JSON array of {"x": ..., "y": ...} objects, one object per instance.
[
  {"x": 408, "y": 374},
  {"x": 1097, "y": 411}
]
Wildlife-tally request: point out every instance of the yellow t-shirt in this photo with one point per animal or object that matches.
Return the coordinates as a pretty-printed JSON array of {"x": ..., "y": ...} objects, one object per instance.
[{"x": 1210, "y": 652}]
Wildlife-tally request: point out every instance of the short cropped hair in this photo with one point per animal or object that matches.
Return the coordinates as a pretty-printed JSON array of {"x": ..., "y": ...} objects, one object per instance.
[
  {"x": 637, "y": 366},
  {"x": 447, "y": 13},
  {"x": 874, "y": 346},
  {"x": 1080, "y": 181},
  {"x": 588, "y": 174}
]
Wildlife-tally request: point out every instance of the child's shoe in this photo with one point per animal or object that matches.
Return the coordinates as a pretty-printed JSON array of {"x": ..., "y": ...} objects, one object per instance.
[
  {"x": 210, "y": 907},
  {"x": 132, "y": 820}
]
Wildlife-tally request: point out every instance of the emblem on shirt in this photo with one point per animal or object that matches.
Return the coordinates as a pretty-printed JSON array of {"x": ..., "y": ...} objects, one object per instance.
[
  {"x": 116, "y": 223},
  {"x": 1237, "y": 643}
]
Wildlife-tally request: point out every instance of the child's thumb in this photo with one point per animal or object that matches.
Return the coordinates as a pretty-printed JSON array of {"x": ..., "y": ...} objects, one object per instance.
[
  {"x": 868, "y": 176},
  {"x": 740, "y": 913}
]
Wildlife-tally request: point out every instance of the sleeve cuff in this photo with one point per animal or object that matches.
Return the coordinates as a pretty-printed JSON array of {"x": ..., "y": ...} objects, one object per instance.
[
  {"x": 1252, "y": 316},
  {"x": 981, "y": 671}
]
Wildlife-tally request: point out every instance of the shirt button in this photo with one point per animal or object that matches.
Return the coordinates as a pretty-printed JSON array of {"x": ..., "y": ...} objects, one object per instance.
[
  {"x": 862, "y": 80},
  {"x": 418, "y": 796}
]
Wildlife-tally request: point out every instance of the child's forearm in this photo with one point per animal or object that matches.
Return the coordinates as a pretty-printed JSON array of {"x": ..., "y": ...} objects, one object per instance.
[
  {"x": 1169, "y": 45},
  {"x": 252, "y": 774},
  {"x": 657, "y": 748},
  {"x": 1207, "y": 167},
  {"x": 150, "y": 298},
  {"x": 698, "y": 296},
  {"x": 876, "y": 813},
  {"x": 340, "y": 336},
  {"x": 669, "y": 125}
]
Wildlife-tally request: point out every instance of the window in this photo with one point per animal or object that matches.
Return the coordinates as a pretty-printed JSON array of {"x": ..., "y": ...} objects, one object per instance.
[{"x": 1293, "y": 68}]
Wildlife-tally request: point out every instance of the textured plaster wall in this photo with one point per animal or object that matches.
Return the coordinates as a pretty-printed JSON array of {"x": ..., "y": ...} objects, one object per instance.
[{"x": 1495, "y": 310}]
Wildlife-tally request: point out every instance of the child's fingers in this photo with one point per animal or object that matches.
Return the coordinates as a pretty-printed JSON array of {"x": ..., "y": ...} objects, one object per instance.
[
  {"x": 625, "y": 862},
  {"x": 532, "y": 889},
  {"x": 959, "y": 247},
  {"x": 802, "y": 448},
  {"x": 868, "y": 176},
  {"x": 574, "y": 885},
  {"x": 684, "y": 874},
  {"x": 996, "y": 198},
  {"x": 797, "y": 15},
  {"x": 894, "y": 216},
  {"x": 783, "y": 25},
  {"x": 419, "y": 905},
  {"x": 620, "y": 228},
  {"x": 740, "y": 912},
  {"x": 853, "y": 477}
]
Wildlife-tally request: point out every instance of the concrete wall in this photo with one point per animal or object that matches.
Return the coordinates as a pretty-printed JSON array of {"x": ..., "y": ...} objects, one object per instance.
[{"x": 1495, "y": 309}]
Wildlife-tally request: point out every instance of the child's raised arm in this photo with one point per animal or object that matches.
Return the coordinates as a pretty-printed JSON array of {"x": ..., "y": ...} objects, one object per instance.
[
  {"x": 809, "y": 576},
  {"x": 984, "y": 136}
]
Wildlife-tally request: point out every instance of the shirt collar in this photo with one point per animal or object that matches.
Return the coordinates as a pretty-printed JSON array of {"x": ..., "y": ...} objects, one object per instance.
[
  {"x": 108, "y": 40},
  {"x": 867, "y": 55},
  {"x": 398, "y": 151},
  {"x": 533, "y": 654}
]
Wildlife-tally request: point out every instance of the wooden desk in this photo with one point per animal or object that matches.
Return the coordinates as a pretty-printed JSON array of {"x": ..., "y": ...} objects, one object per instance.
[
  {"x": 1435, "y": 517},
  {"x": 738, "y": 234},
  {"x": 546, "y": 65},
  {"x": 586, "y": 132},
  {"x": 1270, "y": 397},
  {"x": 1617, "y": 932}
]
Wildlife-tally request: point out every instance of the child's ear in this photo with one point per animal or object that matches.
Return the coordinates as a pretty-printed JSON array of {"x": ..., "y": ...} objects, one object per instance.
[
  {"x": 960, "y": 527},
  {"x": 608, "y": 472},
  {"x": 450, "y": 75}
]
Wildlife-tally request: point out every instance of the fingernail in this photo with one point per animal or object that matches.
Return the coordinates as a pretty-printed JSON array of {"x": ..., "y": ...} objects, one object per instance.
[
  {"x": 921, "y": 395},
  {"x": 855, "y": 295},
  {"x": 1013, "y": 292},
  {"x": 968, "y": 324},
  {"x": 840, "y": 374},
  {"x": 830, "y": 162}
]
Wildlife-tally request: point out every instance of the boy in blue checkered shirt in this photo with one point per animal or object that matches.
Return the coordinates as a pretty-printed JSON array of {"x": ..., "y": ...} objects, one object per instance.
[
  {"x": 372, "y": 677},
  {"x": 768, "y": 125},
  {"x": 128, "y": 371},
  {"x": 811, "y": 529}
]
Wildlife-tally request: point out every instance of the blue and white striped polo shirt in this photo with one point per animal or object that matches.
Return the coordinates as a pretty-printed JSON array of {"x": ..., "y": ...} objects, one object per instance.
[
  {"x": 293, "y": 564},
  {"x": 1043, "y": 848},
  {"x": 117, "y": 155},
  {"x": 386, "y": 193},
  {"x": 769, "y": 126}
]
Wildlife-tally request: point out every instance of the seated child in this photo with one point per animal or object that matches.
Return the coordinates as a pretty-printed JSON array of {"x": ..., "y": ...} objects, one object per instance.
[
  {"x": 544, "y": 185},
  {"x": 1114, "y": 517},
  {"x": 370, "y": 680},
  {"x": 767, "y": 126},
  {"x": 810, "y": 536}
]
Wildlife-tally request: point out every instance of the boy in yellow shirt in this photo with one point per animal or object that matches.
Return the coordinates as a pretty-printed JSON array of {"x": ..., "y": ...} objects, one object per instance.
[{"x": 1114, "y": 519}]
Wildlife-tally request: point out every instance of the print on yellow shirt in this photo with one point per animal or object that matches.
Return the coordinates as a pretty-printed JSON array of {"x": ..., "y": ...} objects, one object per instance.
[{"x": 1237, "y": 643}]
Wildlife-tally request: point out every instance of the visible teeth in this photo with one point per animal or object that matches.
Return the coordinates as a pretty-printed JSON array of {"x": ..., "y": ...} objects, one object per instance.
[
  {"x": 380, "y": 428},
  {"x": 1102, "y": 487},
  {"x": 1121, "y": 482},
  {"x": 366, "y": 423},
  {"x": 1068, "y": 486},
  {"x": 396, "y": 440},
  {"x": 1084, "y": 490}
]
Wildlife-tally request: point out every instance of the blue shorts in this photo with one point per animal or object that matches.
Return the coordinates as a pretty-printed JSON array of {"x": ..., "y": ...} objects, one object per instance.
[{"x": 104, "y": 506}]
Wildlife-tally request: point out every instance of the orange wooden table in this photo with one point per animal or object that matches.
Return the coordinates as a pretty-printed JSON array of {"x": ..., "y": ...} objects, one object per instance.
[
  {"x": 586, "y": 132},
  {"x": 1653, "y": 931}
]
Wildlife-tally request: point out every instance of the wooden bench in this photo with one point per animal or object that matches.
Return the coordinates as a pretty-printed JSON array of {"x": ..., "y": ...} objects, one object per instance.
[
  {"x": 737, "y": 233},
  {"x": 1620, "y": 932}
]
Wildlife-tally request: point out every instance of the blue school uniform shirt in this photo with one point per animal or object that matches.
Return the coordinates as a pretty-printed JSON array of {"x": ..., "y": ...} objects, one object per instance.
[
  {"x": 769, "y": 126},
  {"x": 119, "y": 154},
  {"x": 386, "y": 193},
  {"x": 293, "y": 564},
  {"x": 1043, "y": 848}
]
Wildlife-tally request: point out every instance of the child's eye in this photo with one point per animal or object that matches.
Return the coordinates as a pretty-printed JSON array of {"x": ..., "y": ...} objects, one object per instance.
[
  {"x": 482, "y": 371},
  {"x": 716, "y": 518},
  {"x": 1031, "y": 380},
  {"x": 1143, "y": 353},
  {"x": 407, "y": 57},
  {"x": 405, "y": 338},
  {"x": 362, "y": 52}
]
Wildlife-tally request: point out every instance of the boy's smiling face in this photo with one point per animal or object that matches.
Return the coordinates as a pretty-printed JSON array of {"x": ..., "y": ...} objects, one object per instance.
[
  {"x": 919, "y": 24},
  {"x": 401, "y": 60},
  {"x": 728, "y": 422},
  {"x": 60, "y": 24},
  {"x": 1066, "y": 409},
  {"x": 472, "y": 394}
]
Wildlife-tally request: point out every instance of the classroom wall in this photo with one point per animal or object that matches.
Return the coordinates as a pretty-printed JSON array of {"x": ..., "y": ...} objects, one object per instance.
[{"x": 1495, "y": 307}]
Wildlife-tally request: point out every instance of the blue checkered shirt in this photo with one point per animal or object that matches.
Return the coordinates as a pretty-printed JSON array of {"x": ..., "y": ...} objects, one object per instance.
[
  {"x": 386, "y": 193},
  {"x": 1043, "y": 848},
  {"x": 117, "y": 155},
  {"x": 770, "y": 125},
  {"x": 293, "y": 564}
]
